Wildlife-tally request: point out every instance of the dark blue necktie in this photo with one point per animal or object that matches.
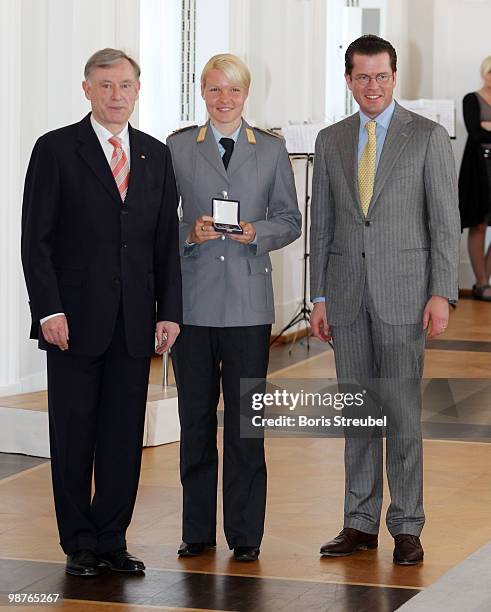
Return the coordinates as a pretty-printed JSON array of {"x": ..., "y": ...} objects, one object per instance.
[{"x": 228, "y": 145}]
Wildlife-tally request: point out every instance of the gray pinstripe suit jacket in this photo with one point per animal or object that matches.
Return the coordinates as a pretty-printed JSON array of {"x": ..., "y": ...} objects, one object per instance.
[{"x": 407, "y": 247}]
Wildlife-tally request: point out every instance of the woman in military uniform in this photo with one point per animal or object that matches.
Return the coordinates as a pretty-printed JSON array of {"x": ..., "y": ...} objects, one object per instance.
[{"x": 228, "y": 303}]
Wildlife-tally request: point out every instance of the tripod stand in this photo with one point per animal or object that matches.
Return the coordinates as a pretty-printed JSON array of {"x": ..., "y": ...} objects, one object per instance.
[{"x": 303, "y": 313}]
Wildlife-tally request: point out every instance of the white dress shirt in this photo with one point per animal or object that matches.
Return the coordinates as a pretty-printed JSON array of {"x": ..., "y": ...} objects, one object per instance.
[{"x": 103, "y": 135}]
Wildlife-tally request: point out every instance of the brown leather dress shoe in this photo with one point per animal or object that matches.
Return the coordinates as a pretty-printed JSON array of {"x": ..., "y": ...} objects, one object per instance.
[
  {"x": 407, "y": 549},
  {"x": 349, "y": 541}
]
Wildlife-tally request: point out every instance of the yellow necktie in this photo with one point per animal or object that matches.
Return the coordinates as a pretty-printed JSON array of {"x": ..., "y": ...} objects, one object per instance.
[{"x": 366, "y": 169}]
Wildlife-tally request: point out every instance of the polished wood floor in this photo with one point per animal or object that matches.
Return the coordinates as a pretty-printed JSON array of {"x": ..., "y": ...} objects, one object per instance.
[{"x": 305, "y": 502}]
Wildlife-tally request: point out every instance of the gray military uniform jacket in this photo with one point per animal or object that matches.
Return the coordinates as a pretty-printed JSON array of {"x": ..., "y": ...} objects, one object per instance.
[
  {"x": 226, "y": 283},
  {"x": 407, "y": 248}
]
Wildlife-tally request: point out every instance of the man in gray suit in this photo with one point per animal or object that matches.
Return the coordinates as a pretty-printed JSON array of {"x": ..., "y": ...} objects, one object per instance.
[
  {"x": 384, "y": 255},
  {"x": 227, "y": 302}
]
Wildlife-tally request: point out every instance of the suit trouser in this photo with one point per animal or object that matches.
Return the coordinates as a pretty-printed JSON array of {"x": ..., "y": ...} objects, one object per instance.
[
  {"x": 389, "y": 360},
  {"x": 96, "y": 417},
  {"x": 200, "y": 357}
]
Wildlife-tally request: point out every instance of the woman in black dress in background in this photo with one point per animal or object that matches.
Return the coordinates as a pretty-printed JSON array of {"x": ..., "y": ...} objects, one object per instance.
[{"x": 475, "y": 181}]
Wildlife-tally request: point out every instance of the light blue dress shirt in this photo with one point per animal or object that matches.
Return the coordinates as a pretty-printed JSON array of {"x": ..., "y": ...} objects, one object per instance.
[
  {"x": 383, "y": 121},
  {"x": 217, "y": 136}
]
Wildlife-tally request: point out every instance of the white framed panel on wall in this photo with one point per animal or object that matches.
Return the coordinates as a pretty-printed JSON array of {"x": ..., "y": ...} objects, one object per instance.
[
  {"x": 374, "y": 17},
  {"x": 10, "y": 122},
  {"x": 212, "y": 37},
  {"x": 160, "y": 60},
  {"x": 283, "y": 42},
  {"x": 346, "y": 21}
]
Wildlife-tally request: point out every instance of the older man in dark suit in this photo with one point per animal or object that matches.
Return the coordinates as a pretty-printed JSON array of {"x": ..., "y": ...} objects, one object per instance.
[{"x": 101, "y": 262}]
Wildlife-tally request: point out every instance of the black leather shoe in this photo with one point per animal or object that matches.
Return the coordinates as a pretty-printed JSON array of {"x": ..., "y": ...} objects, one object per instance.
[
  {"x": 349, "y": 541},
  {"x": 407, "y": 549},
  {"x": 246, "y": 553},
  {"x": 479, "y": 293},
  {"x": 82, "y": 563},
  {"x": 194, "y": 549},
  {"x": 122, "y": 561}
]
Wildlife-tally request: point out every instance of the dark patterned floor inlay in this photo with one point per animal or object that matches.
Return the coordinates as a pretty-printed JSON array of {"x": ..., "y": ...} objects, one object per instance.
[
  {"x": 457, "y": 409},
  {"x": 193, "y": 590},
  {"x": 474, "y": 346},
  {"x": 458, "y": 432},
  {"x": 13, "y": 464}
]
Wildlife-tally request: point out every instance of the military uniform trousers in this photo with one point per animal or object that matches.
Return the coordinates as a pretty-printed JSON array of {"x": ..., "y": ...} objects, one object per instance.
[
  {"x": 96, "y": 408},
  {"x": 388, "y": 360},
  {"x": 201, "y": 356}
]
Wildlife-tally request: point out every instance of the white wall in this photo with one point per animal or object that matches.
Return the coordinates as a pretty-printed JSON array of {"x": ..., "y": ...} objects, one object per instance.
[
  {"x": 447, "y": 41},
  {"x": 286, "y": 43},
  {"x": 212, "y": 37},
  {"x": 45, "y": 44},
  {"x": 293, "y": 48},
  {"x": 10, "y": 179},
  {"x": 280, "y": 41},
  {"x": 160, "y": 60}
]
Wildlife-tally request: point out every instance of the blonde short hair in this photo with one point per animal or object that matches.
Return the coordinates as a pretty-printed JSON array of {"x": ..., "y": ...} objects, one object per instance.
[
  {"x": 232, "y": 67},
  {"x": 486, "y": 66}
]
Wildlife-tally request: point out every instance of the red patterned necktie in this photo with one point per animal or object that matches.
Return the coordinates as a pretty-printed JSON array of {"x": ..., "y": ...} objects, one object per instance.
[{"x": 119, "y": 167}]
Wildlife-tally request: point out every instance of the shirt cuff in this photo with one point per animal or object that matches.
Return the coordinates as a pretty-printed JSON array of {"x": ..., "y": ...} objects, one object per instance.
[
  {"x": 44, "y": 319},
  {"x": 318, "y": 300}
]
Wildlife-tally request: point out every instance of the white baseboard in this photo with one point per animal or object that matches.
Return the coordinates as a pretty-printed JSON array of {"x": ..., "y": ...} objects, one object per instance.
[
  {"x": 26, "y": 432},
  {"x": 27, "y": 384}
]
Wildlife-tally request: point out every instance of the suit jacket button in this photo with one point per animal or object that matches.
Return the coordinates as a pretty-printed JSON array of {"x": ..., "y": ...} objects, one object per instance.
[
  {"x": 124, "y": 211},
  {"x": 124, "y": 245},
  {"x": 266, "y": 270},
  {"x": 221, "y": 258},
  {"x": 363, "y": 255},
  {"x": 367, "y": 223}
]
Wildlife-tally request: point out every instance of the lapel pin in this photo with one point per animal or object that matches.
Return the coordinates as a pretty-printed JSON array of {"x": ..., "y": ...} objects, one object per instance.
[{"x": 142, "y": 157}]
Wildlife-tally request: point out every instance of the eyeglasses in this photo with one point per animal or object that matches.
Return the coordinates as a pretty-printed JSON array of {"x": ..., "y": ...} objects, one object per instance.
[{"x": 382, "y": 78}]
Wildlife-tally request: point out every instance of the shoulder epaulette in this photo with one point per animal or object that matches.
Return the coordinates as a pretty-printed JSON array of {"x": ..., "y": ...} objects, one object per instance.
[
  {"x": 183, "y": 129},
  {"x": 202, "y": 133},
  {"x": 251, "y": 137},
  {"x": 269, "y": 132}
]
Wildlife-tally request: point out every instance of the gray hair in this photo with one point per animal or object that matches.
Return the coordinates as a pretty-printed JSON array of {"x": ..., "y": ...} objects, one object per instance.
[{"x": 106, "y": 58}]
